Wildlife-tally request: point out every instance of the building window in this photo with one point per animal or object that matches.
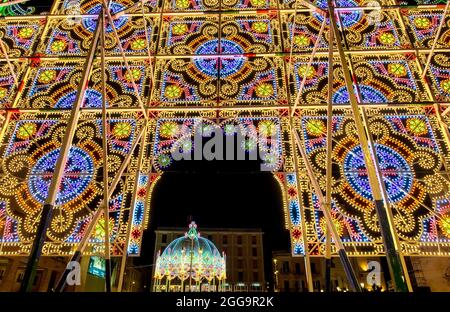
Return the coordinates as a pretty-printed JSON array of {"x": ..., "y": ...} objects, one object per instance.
[
  {"x": 240, "y": 264},
  {"x": 254, "y": 240},
  {"x": 19, "y": 277},
  {"x": 2, "y": 273},
  {"x": 313, "y": 268},
  {"x": 286, "y": 285},
  {"x": 239, "y": 240},
  {"x": 240, "y": 276},
  {"x": 164, "y": 238},
  {"x": 255, "y": 264},
  {"x": 255, "y": 276},
  {"x": 297, "y": 268},
  {"x": 224, "y": 239},
  {"x": 317, "y": 285},
  {"x": 285, "y": 267},
  {"x": 239, "y": 251},
  {"x": 254, "y": 252}
]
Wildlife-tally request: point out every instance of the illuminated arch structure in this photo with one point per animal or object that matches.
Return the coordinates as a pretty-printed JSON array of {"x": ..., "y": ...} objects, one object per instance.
[{"x": 242, "y": 68}]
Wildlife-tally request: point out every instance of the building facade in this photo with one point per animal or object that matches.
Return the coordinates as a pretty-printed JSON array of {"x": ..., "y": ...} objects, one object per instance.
[
  {"x": 12, "y": 271},
  {"x": 243, "y": 250},
  {"x": 426, "y": 274}
]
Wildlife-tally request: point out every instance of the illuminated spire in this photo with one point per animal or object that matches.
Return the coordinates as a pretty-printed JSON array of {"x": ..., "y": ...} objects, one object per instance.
[{"x": 192, "y": 233}]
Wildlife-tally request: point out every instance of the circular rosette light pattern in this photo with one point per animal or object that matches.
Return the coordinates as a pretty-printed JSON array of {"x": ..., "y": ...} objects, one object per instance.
[{"x": 404, "y": 165}]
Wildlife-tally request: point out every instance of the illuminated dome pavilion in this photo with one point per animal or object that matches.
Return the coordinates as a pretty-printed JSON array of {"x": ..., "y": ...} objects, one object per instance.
[{"x": 188, "y": 263}]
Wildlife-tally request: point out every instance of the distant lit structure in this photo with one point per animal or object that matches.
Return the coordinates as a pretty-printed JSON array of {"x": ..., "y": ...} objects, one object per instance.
[{"x": 190, "y": 263}]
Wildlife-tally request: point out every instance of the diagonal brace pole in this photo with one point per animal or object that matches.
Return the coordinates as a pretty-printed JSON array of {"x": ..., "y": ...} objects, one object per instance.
[
  {"x": 47, "y": 210},
  {"x": 325, "y": 207}
]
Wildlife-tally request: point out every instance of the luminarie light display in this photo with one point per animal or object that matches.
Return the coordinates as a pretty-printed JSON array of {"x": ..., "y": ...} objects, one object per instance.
[{"x": 247, "y": 63}]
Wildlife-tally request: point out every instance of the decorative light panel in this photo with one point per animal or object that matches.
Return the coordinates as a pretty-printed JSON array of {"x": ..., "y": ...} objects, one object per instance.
[
  {"x": 88, "y": 6},
  {"x": 20, "y": 37},
  {"x": 365, "y": 31},
  {"x": 8, "y": 85},
  {"x": 408, "y": 148},
  {"x": 439, "y": 75},
  {"x": 182, "y": 35},
  {"x": 29, "y": 158},
  {"x": 55, "y": 85},
  {"x": 231, "y": 80},
  {"x": 66, "y": 37},
  {"x": 423, "y": 25},
  {"x": 387, "y": 79},
  {"x": 301, "y": 32}
]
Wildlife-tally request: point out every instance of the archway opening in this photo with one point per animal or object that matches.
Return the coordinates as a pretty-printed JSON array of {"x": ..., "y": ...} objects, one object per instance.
[{"x": 219, "y": 195}]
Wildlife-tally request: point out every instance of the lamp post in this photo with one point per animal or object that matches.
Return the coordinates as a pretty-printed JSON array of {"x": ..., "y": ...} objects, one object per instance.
[{"x": 275, "y": 271}]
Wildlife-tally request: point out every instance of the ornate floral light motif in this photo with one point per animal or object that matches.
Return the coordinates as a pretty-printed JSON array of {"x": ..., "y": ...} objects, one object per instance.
[
  {"x": 445, "y": 225},
  {"x": 169, "y": 130},
  {"x": 258, "y": 3},
  {"x": 387, "y": 38},
  {"x": 230, "y": 72},
  {"x": 47, "y": 76},
  {"x": 264, "y": 90},
  {"x": 189, "y": 260},
  {"x": 445, "y": 85},
  {"x": 267, "y": 128},
  {"x": 260, "y": 27},
  {"x": 422, "y": 22},
  {"x": 135, "y": 73},
  {"x": 26, "y": 33},
  {"x": 397, "y": 69},
  {"x": 26, "y": 131},
  {"x": 301, "y": 40},
  {"x": 180, "y": 29},
  {"x": 315, "y": 127},
  {"x": 138, "y": 44},
  {"x": 122, "y": 130},
  {"x": 182, "y": 4},
  {"x": 3, "y": 92},
  {"x": 340, "y": 225},
  {"x": 307, "y": 71},
  {"x": 58, "y": 46}
]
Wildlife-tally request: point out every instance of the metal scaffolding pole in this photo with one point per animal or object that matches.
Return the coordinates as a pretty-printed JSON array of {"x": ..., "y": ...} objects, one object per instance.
[
  {"x": 329, "y": 160},
  {"x": 107, "y": 254},
  {"x": 85, "y": 239},
  {"x": 47, "y": 210},
  {"x": 385, "y": 220},
  {"x": 349, "y": 272}
]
